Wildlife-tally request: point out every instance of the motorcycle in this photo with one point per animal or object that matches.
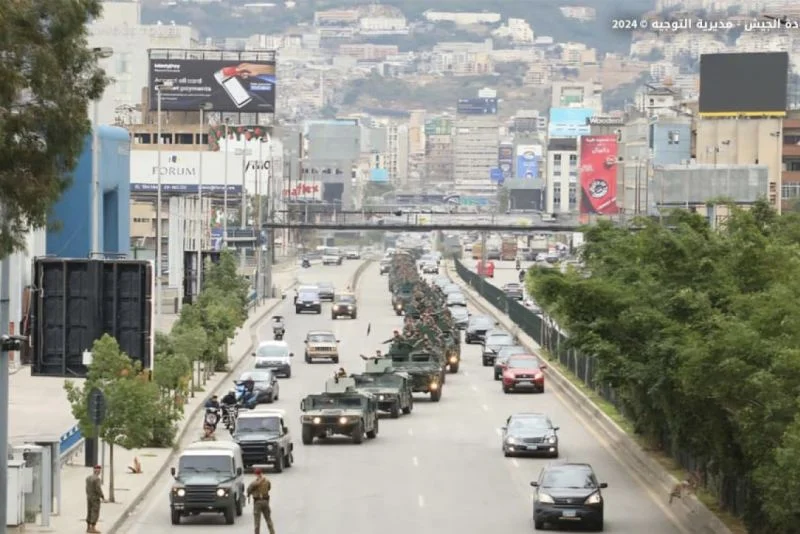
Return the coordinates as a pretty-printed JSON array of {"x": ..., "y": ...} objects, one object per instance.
[
  {"x": 518, "y": 265},
  {"x": 244, "y": 397},
  {"x": 229, "y": 414},
  {"x": 305, "y": 263},
  {"x": 212, "y": 417},
  {"x": 278, "y": 329}
]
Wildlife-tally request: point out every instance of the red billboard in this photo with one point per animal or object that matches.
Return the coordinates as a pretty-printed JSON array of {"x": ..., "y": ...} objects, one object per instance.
[{"x": 599, "y": 174}]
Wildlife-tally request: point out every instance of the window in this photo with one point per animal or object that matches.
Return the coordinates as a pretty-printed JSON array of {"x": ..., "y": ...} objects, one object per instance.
[
  {"x": 573, "y": 160},
  {"x": 791, "y": 190},
  {"x": 573, "y": 193},
  {"x": 556, "y": 194},
  {"x": 557, "y": 159}
]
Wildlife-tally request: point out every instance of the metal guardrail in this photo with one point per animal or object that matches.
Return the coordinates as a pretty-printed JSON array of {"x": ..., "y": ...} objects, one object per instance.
[{"x": 70, "y": 445}]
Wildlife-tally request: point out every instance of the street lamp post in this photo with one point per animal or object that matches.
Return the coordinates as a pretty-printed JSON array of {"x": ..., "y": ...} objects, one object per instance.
[
  {"x": 99, "y": 53},
  {"x": 225, "y": 193},
  {"x": 201, "y": 222},
  {"x": 160, "y": 85}
]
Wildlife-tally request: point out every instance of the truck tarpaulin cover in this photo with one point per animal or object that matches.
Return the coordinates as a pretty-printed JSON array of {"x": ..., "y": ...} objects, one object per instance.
[{"x": 598, "y": 174}]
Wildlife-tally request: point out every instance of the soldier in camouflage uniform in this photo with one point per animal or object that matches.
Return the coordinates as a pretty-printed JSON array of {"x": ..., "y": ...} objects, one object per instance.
[
  {"x": 94, "y": 496},
  {"x": 259, "y": 490}
]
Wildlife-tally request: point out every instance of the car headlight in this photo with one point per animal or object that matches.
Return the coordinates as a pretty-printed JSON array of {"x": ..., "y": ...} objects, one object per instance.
[
  {"x": 381, "y": 397},
  {"x": 453, "y": 359},
  {"x": 221, "y": 492},
  {"x": 551, "y": 439},
  {"x": 545, "y": 499},
  {"x": 180, "y": 492},
  {"x": 317, "y": 420},
  {"x": 594, "y": 498},
  {"x": 434, "y": 386},
  {"x": 270, "y": 446},
  {"x": 336, "y": 307},
  {"x": 511, "y": 441},
  {"x": 316, "y": 302},
  {"x": 342, "y": 420}
]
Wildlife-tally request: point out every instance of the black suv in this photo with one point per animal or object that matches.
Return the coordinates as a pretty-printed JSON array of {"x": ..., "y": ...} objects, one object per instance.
[
  {"x": 477, "y": 327},
  {"x": 308, "y": 300},
  {"x": 568, "y": 494}
]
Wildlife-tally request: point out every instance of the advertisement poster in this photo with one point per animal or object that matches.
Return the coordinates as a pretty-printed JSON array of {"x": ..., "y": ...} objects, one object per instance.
[
  {"x": 569, "y": 122},
  {"x": 598, "y": 174},
  {"x": 528, "y": 157},
  {"x": 505, "y": 160},
  {"x": 496, "y": 175},
  {"x": 227, "y": 85}
]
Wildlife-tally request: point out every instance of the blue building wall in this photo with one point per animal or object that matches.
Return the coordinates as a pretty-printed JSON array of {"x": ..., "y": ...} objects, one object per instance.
[
  {"x": 671, "y": 142},
  {"x": 73, "y": 212}
]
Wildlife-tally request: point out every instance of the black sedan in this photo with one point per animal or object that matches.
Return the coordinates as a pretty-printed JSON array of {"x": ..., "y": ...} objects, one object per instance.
[
  {"x": 344, "y": 306},
  {"x": 326, "y": 291},
  {"x": 493, "y": 342},
  {"x": 265, "y": 385},
  {"x": 477, "y": 327},
  {"x": 530, "y": 434},
  {"x": 568, "y": 494}
]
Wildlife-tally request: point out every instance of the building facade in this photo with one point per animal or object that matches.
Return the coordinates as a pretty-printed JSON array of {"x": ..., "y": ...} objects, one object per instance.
[
  {"x": 332, "y": 151},
  {"x": 561, "y": 176},
  {"x": 476, "y": 140},
  {"x": 72, "y": 236}
]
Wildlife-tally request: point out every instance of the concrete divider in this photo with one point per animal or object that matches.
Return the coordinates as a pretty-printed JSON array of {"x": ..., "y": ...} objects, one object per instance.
[{"x": 691, "y": 513}]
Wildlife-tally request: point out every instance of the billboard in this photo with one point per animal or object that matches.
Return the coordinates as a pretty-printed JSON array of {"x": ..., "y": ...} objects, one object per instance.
[
  {"x": 229, "y": 85},
  {"x": 528, "y": 158},
  {"x": 569, "y": 122},
  {"x": 476, "y": 106},
  {"x": 505, "y": 159},
  {"x": 743, "y": 84},
  {"x": 598, "y": 174}
]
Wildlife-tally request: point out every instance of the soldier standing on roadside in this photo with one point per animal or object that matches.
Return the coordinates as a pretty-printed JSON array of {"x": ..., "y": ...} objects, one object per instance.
[
  {"x": 94, "y": 496},
  {"x": 259, "y": 490}
]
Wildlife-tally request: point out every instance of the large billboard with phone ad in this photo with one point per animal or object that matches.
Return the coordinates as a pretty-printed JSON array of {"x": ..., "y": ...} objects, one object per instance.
[
  {"x": 598, "y": 174},
  {"x": 227, "y": 85}
]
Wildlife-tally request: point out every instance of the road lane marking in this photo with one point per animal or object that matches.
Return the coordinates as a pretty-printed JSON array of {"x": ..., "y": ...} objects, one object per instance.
[
  {"x": 582, "y": 418},
  {"x": 410, "y": 431},
  {"x": 474, "y": 387},
  {"x": 514, "y": 462},
  {"x": 421, "y": 501},
  {"x": 466, "y": 373},
  {"x": 485, "y": 407},
  {"x": 415, "y": 461}
]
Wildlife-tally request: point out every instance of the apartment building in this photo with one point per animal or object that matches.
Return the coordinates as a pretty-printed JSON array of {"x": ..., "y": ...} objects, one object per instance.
[
  {"x": 562, "y": 176},
  {"x": 367, "y": 51},
  {"x": 577, "y": 95},
  {"x": 475, "y": 150}
]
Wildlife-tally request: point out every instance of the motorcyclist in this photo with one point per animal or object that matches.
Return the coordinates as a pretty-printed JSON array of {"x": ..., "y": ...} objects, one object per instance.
[
  {"x": 521, "y": 276},
  {"x": 230, "y": 398},
  {"x": 305, "y": 262},
  {"x": 341, "y": 373},
  {"x": 212, "y": 403},
  {"x": 518, "y": 264}
]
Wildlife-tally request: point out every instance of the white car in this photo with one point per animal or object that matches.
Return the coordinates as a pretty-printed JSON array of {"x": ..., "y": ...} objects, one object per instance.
[
  {"x": 430, "y": 268},
  {"x": 274, "y": 355}
]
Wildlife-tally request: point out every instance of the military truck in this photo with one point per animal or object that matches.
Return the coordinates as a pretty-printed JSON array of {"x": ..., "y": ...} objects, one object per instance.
[
  {"x": 391, "y": 388},
  {"x": 424, "y": 368},
  {"x": 209, "y": 478},
  {"x": 264, "y": 439},
  {"x": 401, "y": 298},
  {"x": 340, "y": 411}
]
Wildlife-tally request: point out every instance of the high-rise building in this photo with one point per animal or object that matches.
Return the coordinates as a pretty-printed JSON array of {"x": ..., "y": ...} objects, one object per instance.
[{"x": 475, "y": 148}]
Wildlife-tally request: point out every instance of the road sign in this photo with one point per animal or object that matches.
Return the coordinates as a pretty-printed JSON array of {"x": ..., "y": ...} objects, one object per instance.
[{"x": 97, "y": 407}]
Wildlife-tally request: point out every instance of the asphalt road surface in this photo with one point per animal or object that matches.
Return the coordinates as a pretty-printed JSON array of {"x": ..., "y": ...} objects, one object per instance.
[{"x": 438, "y": 470}]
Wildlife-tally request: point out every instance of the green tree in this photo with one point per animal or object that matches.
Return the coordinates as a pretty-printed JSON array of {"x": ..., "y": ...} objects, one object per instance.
[
  {"x": 133, "y": 402},
  {"x": 698, "y": 332},
  {"x": 48, "y": 76},
  {"x": 503, "y": 199}
]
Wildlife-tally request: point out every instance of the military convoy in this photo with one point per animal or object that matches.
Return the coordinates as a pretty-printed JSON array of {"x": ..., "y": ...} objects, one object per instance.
[
  {"x": 391, "y": 387},
  {"x": 341, "y": 410}
]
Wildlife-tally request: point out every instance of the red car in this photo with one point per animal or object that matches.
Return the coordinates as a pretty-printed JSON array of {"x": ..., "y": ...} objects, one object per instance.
[
  {"x": 523, "y": 373},
  {"x": 488, "y": 270}
]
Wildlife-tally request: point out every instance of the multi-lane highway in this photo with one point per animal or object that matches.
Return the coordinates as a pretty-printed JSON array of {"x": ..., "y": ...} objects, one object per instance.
[{"x": 438, "y": 470}]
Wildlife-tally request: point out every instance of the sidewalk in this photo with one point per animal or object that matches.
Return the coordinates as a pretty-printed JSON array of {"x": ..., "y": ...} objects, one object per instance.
[{"x": 129, "y": 488}]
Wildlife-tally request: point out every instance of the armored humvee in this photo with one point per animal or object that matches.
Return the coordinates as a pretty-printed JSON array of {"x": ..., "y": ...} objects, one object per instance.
[
  {"x": 425, "y": 370},
  {"x": 341, "y": 410},
  {"x": 264, "y": 439},
  {"x": 391, "y": 388}
]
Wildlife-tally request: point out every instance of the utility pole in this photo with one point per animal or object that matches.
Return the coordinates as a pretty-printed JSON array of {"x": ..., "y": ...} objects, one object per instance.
[
  {"x": 225, "y": 192},
  {"x": 201, "y": 222},
  {"x": 271, "y": 214},
  {"x": 7, "y": 344},
  {"x": 259, "y": 229}
]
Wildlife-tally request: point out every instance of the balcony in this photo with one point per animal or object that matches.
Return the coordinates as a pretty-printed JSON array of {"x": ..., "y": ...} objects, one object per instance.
[
  {"x": 790, "y": 177},
  {"x": 791, "y": 150}
]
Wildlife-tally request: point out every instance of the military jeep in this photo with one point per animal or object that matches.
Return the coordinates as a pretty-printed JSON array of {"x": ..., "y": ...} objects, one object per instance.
[
  {"x": 425, "y": 370},
  {"x": 264, "y": 439},
  {"x": 391, "y": 388},
  {"x": 340, "y": 411}
]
